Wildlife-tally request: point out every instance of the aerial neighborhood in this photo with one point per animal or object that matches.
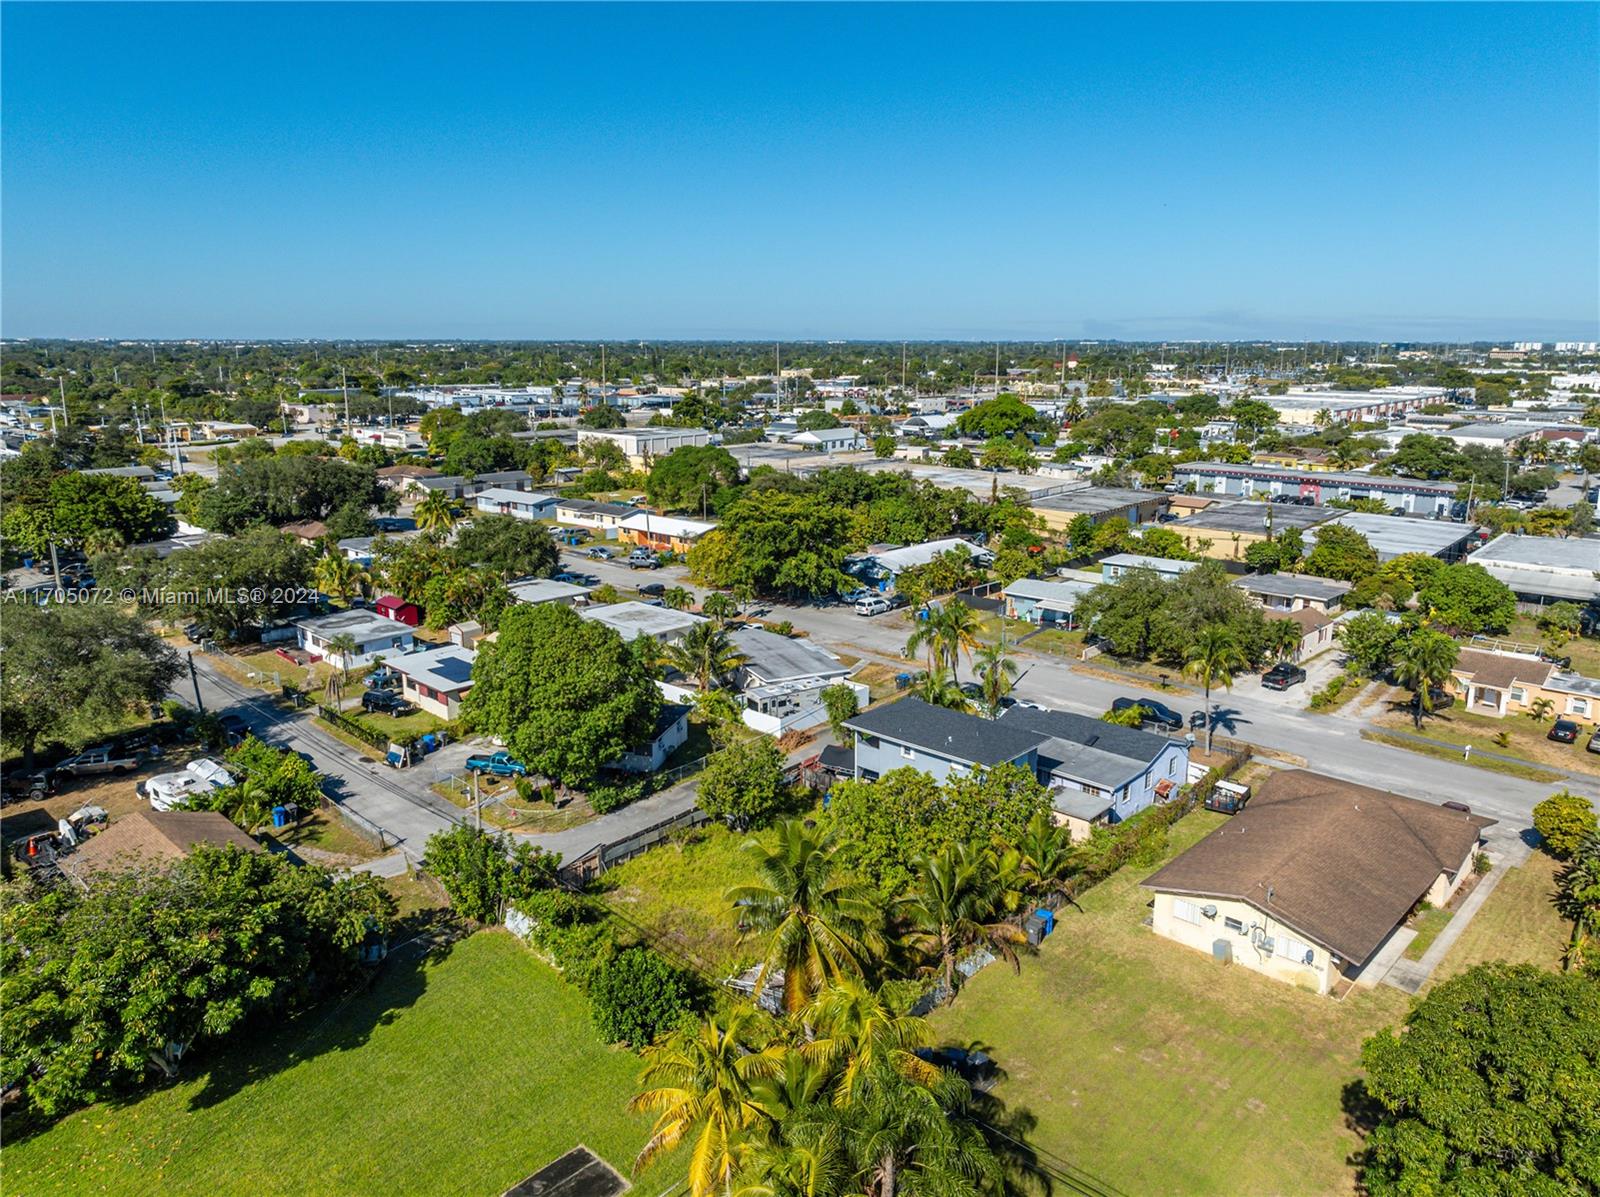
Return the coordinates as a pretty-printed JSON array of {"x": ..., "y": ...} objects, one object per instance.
[{"x": 800, "y": 600}]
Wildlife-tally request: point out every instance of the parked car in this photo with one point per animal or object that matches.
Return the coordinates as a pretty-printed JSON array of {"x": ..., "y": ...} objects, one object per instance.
[
  {"x": 19, "y": 786},
  {"x": 855, "y": 596},
  {"x": 643, "y": 559},
  {"x": 566, "y": 576},
  {"x": 234, "y": 729},
  {"x": 973, "y": 1066},
  {"x": 197, "y": 632},
  {"x": 104, "y": 759},
  {"x": 501, "y": 764},
  {"x": 1594, "y": 741},
  {"x": 876, "y": 605},
  {"x": 384, "y": 702},
  {"x": 1460, "y": 806},
  {"x": 1282, "y": 675},
  {"x": 655, "y": 589},
  {"x": 1565, "y": 731},
  {"x": 600, "y": 553},
  {"x": 1154, "y": 712},
  {"x": 383, "y": 678}
]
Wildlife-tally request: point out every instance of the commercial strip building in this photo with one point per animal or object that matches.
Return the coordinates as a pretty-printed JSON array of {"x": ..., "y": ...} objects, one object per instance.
[
  {"x": 1310, "y": 881},
  {"x": 1304, "y": 408},
  {"x": 1413, "y": 495},
  {"x": 1099, "y": 503},
  {"x": 1544, "y": 569},
  {"x": 642, "y": 446},
  {"x": 1394, "y": 536}
]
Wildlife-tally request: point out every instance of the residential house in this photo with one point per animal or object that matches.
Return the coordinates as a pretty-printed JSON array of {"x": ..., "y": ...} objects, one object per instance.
[
  {"x": 150, "y": 839},
  {"x": 534, "y": 591},
  {"x": 1318, "y": 629},
  {"x": 1097, "y": 772},
  {"x": 1506, "y": 683},
  {"x": 456, "y": 486},
  {"x": 392, "y": 606},
  {"x": 631, "y": 620},
  {"x": 307, "y": 532},
  {"x": 1312, "y": 879},
  {"x": 437, "y": 680},
  {"x": 880, "y": 565},
  {"x": 1294, "y": 592},
  {"x": 406, "y": 476},
  {"x": 663, "y": 533},
  {"x": 374, "y": 636},
  {"x": 830, "y": 440},
  {"x": 524, "y": 505},
  {"x": 1045, "y": 603},
  {"x": 671, "y": 733},
  {"x": 586, "y": 513},
  {"x": 782, "y": 679},
  {"x": 1114, "y": 566}
]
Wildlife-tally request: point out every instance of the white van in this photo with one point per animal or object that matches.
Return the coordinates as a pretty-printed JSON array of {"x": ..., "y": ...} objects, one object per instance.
[{"x": 876, "y": 605}]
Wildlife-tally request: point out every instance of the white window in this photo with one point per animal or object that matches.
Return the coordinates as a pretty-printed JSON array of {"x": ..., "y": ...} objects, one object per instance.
[
  {"x": 909, "y": 753},
  {"x": 1518, "y": 694},
  {"x": 1577, "y": 706},
  {"x": 1187, "y": 911},
  {"x": 1291, "y": 948}
]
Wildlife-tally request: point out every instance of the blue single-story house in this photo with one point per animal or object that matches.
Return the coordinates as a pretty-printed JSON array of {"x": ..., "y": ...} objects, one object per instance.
[
  {"x": 1045, "y": 603},
  {"x": 1097, "y": 772}
]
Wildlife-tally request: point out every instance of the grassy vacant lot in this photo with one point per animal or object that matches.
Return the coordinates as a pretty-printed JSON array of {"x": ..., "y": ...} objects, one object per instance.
[
  {"x": 1441, "y": 750},
  {"x": 456, "y": 1073},
  {"x": 1526, "y": 738},
  {"x": 676, "y": 891},
  {"x": 1584, "y": 650},
  {"x": 1515, "y": 923},
  {"x": 1155, "y": 1070}
]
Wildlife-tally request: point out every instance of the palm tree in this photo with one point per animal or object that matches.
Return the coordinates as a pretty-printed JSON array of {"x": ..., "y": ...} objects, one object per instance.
[
  {"x": 678, "y": 599},
  {"x": 925, "y": 636},
  {"x": 938, "y": 689},
  {"x": 703, "y": 1085},
  {"x": 997, "y": 673},
  {"x": 956, "y": 626},
  {"x": 955, "y": 904},
  {"x": 1214, "y": 658},
  {"x": 435, "y": 513},
  {"x": 345, "y": 646},
  {"x": 1284, "y": 639},
  {"x": 856, "y": 1032},
  {"x": 338, "y": 576},
  {"x": 1423, "y": 664},
  {"x": 1073, "y": 412},
  {"x": 719, "y": 607},
  {"x": 705, "y": 653},
  {"x": 822, "y": 925},
  {"x": 1539, "y": 709},
  {"x": 1577, "y": 899},
  {"x": 1046, "y": 854}
]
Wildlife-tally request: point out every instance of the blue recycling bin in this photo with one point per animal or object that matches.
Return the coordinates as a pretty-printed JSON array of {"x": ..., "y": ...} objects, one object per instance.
[
  {"x": 1048, "y": 917},
  {"x": 280, "y": 816},
  {"x": 428, "y": 743}
]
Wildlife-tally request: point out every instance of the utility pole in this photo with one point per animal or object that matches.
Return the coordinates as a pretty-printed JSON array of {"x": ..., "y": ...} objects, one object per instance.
[
  {"x": 194, "y": 677},
  {"x": 902, "y": 368},
  {"x": 477, "y": 804},
  {"x": 344, "y": 385},
  {"x": 65, "y": 418}
]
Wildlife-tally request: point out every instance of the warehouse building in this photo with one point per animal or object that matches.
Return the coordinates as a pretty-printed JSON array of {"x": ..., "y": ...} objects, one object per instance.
[{"x": 1415, "y": 496}]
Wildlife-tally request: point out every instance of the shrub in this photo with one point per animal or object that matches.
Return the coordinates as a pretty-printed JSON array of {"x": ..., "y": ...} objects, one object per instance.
[
  {"x": 569, "y": 932},
  {"x": 1562, "y": 821},
  {"x": 1481, "y": 863},
  {"x": 1329, "y": 694},
  {"x": 603, "y": 799},
  {"x": 637, "y": 996},
  {"x": 783, "y": 628}
]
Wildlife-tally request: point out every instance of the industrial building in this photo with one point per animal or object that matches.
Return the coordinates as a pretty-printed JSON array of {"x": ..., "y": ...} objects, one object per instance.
[
  {"x": 1304, "y": 408},
  {"x": 1413, "y": 495},
  {"x": 1544, "y": 569},
  {"x": 1100, "y": 503}
]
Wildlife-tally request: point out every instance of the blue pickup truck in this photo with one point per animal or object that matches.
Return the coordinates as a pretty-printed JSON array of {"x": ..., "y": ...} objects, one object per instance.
[{"x": 501, "y": 764}]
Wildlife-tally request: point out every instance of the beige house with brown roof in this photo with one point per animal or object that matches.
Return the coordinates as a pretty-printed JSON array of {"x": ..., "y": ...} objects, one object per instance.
[
  {"x": 151, "y": 839},
  {"x": 1310, "y": 880},
  {"x": 1500, "y": 684}
]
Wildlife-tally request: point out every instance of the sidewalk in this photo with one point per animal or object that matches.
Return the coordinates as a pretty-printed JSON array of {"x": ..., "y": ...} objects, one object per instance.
[{"x": 1410, "y": 975}]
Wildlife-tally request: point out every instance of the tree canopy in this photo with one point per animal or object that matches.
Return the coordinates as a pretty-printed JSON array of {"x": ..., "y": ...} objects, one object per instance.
[{"x": 686, "y": 478}]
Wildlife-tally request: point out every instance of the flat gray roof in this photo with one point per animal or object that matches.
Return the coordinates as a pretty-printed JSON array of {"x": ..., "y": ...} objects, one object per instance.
[
  {"x": 641, "y": 619},
  {"x": 776, "y": 658},
  {"x": 1542, "y": 552},
  {"x": 1294, "y": 586},
  {"x": 1095, "y": 500},
  {"x": 361, "y": 623},
  {"x": 976, "y": 482},
  {"x": 1352, "y": 479},
  {"x": 1394, "y": 535},
  {"x": 1246, "y": 515}
]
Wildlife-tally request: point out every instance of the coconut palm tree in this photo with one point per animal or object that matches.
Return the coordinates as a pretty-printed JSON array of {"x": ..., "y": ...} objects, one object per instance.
[
  {"x": 855, "y": 1032},
  {"x": 821, "y": 924},
  {"x": 719, "y": 607},
  {"x": 1214, "y": 658},
  {"x": 938, "y": 689},
  {"x": 678, "y": 599},
  {"x": 1284, "y": 639},
  {"x": 345, "y": 646},
  {"x": 705, "y": 653},
  {"x": 1073, "y": 412},
  {"x": 925, "y": 637},
  {"x": 702, "y": 1086},
  {"x": 1045, "y": 854},
  {"x": 997, "y": 673},
  {"x": 338, "y": 576},
  {"x": 435, "y": 514},
  {"x": 957, "y": 628},
  {"x": 1422, "y": 664},
  {"x": 956, "y": 904}
]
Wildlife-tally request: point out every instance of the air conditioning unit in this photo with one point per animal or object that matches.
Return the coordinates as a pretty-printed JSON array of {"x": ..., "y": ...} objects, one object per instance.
[{"x": 1209, "y": 911}]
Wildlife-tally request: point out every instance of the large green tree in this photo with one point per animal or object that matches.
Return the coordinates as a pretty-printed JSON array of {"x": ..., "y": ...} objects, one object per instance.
[
  {"x": 566, "y": 694},
  {"x": 71, "y": 672},
  {"x": 775, "y": 542},
  {"x": 1001, "y": 416},
  {"x": 1341, "y": 553},
  {"x": 687, "y": 478},
  {"x": 506, "y": 546},
  {"x": 1494, "y": 1087},
  {"x": 1469, "y": 599},
  {"x": 72, "y": 510},
  {"x": 742, "y": 781}
]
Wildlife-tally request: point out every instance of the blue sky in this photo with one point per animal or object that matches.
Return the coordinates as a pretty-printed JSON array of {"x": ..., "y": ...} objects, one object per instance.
[{"x": 1395, "y": 172}]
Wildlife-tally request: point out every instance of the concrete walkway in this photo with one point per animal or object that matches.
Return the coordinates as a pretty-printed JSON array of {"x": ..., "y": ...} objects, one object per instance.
[{"x": 1410, "y": 975}]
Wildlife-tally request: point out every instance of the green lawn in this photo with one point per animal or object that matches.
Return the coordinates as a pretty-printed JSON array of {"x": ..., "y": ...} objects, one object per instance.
[
  {"x": 1516, "y": 922},
  {"x": 1155, "y": 1070},
  {"x": 457, "y": 1073},
  {"x": 677, "y": 890},
  {"x": 1446, "y": 751},
  {"x": 1428, "y": 924}
]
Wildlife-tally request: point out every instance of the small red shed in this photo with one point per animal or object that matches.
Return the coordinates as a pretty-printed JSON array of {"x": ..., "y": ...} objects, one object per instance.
[{"x": 392, "y": 606}]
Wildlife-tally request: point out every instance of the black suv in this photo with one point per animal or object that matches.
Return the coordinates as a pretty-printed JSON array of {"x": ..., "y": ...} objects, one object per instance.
[
  {"x": 1153, "y": 712},
  {"x": 384, "y": 703},
  {"x": 1281, "y": 676},
  {"x": 20, "y": 786}
]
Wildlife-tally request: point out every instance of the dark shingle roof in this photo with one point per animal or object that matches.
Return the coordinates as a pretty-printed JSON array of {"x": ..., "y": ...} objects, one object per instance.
[
  {"x": 1092, "y": 733},
  {"x": 947, "y": 733},
  {"x": 1344, "y": 863}
]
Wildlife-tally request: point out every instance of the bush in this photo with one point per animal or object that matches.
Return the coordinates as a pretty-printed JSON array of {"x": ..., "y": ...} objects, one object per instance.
[
  {"x": 481, "y": 873},
  {"x": 1562, "y": 821},
  {"x": 603, "y": 799},
  {"x": 1481, "y": 863},
  {"x": 637, "y": 996},
  {"x": 783, "y": 628},
  {"x": 1329, "y": 694}
]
